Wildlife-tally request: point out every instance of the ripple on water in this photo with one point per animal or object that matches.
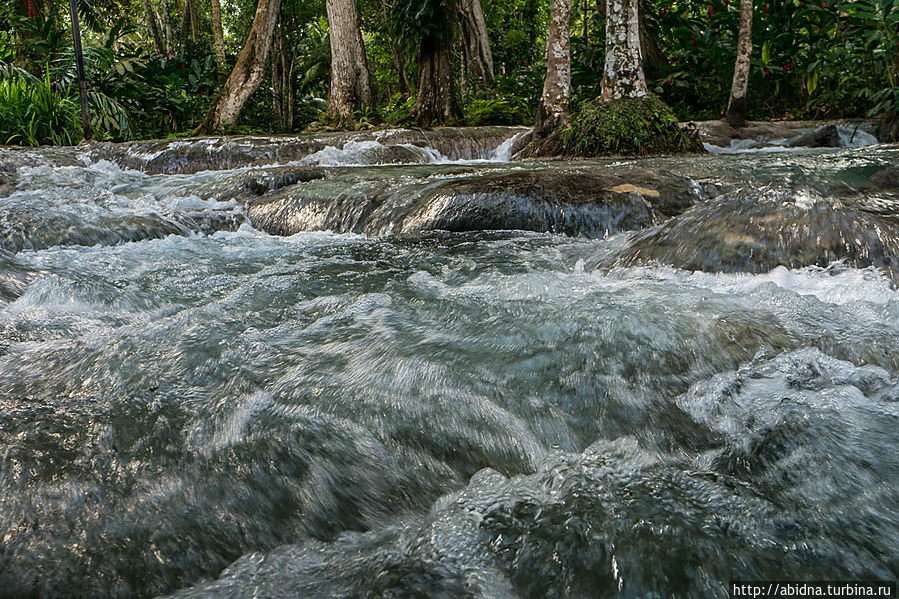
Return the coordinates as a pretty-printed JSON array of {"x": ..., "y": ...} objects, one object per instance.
[{"x": 440, "y": 415}]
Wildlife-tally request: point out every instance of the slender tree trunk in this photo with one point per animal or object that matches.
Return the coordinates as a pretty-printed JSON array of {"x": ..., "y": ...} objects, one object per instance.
[
  {"x": 218, "y": 35},
  {"x": 396, "y": 51},
  {"x": 167, "y": 24},
  {"x": 79, "y": 68},
  {"x": 350, "y": 82},
  {"x": 282, "y": 73},
  {"x": 478, "y": 59},
  {"x": 194, "y": 22},
  {"x": 553, "y": 109},
  {"x": 736, "y": 106},
  {"x": 247, "y": 73},
  {"x": 623, "y": 73},
  {"x": 436, "y": 101},
  {"x": 291, "y": 92},
  {"x": 153, "y": 26},
  {"x": 184, "y": 30},
  {"x": 274, "y": 57},
  {"x": 463, "y": 75}
]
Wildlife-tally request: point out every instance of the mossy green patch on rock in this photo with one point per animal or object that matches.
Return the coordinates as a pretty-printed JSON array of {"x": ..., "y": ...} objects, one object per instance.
[{"x": 631, "y": 126}]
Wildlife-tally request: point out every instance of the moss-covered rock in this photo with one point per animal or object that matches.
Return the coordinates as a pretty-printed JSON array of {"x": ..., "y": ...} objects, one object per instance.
[{"x": 632, "y": 126}]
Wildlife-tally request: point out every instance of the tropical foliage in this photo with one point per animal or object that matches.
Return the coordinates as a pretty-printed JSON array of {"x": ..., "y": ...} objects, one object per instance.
[{"x": 811, "y": 59}]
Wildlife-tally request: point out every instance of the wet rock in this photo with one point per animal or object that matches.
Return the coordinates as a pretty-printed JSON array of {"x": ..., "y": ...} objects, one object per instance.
[
  {"x": 395, "y": 146},
  {"x": 260, "y": 183},
  {"x": 579, "y": 201},
  {"x": 889, "y": 127},
  {"x": 574, "y": 202},
  {"x": 796, "y": 133},
  {"x": 827, "y": 136},
  {"x": 755, "y": 231}
]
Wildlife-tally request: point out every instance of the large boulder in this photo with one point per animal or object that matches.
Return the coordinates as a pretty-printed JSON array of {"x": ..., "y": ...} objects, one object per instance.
[{"x": 757, "y": 230}]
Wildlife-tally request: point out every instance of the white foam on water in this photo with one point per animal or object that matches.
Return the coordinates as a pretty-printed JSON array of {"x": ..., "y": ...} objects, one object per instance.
[
  {"x": 751, "y": 146},
  {"x": 102, "y": 174},
  {"x": 503, "y": 152},
  {"x": 835, "y": 284}
]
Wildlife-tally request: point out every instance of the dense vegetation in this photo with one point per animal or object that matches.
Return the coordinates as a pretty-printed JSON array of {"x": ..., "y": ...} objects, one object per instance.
[{"x": 811, "y": 59}]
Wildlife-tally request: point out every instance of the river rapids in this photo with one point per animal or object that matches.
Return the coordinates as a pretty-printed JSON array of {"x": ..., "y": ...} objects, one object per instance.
[{"x": 376, "y": 366}]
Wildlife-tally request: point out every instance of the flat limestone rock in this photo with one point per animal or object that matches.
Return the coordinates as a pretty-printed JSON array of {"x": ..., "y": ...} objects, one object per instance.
[{"x": 589, "y": 201}]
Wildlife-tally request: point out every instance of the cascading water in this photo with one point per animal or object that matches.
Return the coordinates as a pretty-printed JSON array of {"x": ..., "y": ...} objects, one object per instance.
[{"x": 472, "y": 378}]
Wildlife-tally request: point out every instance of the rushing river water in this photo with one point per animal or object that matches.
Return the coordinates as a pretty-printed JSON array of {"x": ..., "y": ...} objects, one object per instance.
[{"x": 191, "y": 405}]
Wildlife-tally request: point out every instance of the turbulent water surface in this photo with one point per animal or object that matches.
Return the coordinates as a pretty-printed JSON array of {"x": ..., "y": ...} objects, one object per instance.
[{"x": 192, "y": 406}]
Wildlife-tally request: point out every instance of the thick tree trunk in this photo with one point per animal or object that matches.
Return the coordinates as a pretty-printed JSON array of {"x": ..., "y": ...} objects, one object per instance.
[
  {"x": 553, "y": 109},
  {"x": 396, "y": 51},
  {"x": 436, "y": 101},
  {"x": 648, "y": 44},
  {"x": 736, "y": 106},
  {"x": 153, "y": 26},
  {"x": 350, "y": 81},
  {"x": 623, "y": 73},
  {"x": 475, "y": 41},
  {"x": 218, "y": 35},
  {"x": 552, "y": 112},
  {"x": 247, "y": 73}
]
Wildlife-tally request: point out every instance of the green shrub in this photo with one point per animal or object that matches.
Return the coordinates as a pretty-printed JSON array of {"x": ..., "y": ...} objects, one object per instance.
[
  {"x": 398, "y": 109},
  {"x": 31, "y": 114},
  {"x": 497, "y": 111},
  {"x": 632, "y": 127}
]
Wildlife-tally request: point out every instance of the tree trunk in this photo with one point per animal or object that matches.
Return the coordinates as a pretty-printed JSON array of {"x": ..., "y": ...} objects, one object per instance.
[
  {"x": 736, "y": 106},
  {"x": 396, "y": 51},
  {"x": 153, "y": 26},
  {"x": 184, "y": 30},
  {"x": 274, "y": 57},
  {"x": 282, "y": 75},
  {"x": 247, "y": 73},
  {"x": 79, "y": 69},
  {"x": 350, "y": 82},
  {"x": 436, "y": 101},
  {"x": 475, "y": 42},
  {"x": 218, "y": 35},
  {"x": 194, "y": 22},
  {"x": 167, "y": 25},
  {"x": 623, "y": 73},
  {"x": 648, "y": 44},
  {"x": 553, "y": 109}
]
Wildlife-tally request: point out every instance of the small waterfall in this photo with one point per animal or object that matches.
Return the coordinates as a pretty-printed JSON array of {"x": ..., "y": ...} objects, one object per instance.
[{"x": 503, "y": 152}]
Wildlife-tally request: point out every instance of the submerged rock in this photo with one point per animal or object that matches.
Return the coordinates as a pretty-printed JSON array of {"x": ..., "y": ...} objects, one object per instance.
[
  {"x": 755, "y": 231},
  {"x": 575, "y": 201}
]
